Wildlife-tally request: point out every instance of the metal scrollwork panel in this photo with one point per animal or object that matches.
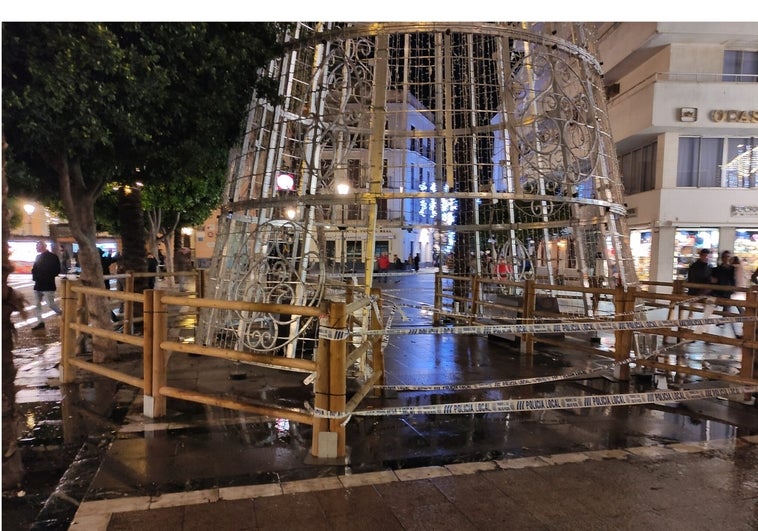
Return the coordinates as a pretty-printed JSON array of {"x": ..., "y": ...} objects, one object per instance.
[
  {"x": 555, "y": 123},
  {"x": 347, "y": 84},
  {"x": 282, "y": 272}
]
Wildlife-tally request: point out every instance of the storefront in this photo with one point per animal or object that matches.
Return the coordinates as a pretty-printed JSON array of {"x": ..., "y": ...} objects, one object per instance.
[
  {"x": 687, "y": 244},
  {"x": 746, "y": 247},
  {"x": 640, "y": 242}
]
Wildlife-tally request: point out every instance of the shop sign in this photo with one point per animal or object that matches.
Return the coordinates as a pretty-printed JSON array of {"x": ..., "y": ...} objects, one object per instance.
[
  {"x": 734, "y": 116},
  {"x": 743, "y": 210}
]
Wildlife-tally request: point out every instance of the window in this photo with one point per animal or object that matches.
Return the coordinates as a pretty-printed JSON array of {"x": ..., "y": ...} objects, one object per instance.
[
  {"x": 354, "y": 176},
  {"x": 699, "y": 160},
  {"x": 354, "y": 250},
  {"x": 741, "y": 165},
  {"x": 638, "y": 169},
  {"x": 361, "y": 141},
  {"x": 354, "y": 173},
  {"x": 717, "y": 162},
  {"x": 740, "y": 65},
  {"x": 381, "y": 208},
  {"x": 413, "y": 139}
]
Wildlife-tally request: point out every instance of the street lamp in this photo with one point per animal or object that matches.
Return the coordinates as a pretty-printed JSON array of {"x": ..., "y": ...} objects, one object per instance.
[
  {"x": 343, "y": 189},
  {"x": 29, "y": 209},
  {"x": 285, "y": 185}
]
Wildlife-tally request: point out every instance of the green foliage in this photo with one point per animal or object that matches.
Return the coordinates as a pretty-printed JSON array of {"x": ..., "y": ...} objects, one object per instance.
[
  {"x": 157, "y": 102},
  {"x": 15, "y": 212}
]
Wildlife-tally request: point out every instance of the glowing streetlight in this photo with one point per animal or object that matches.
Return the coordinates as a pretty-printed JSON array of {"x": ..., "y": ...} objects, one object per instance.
[
  {"x": 29, "y": 209},
  {"x": 343, "y": 188},
  {"x": 285, "y": 182}
]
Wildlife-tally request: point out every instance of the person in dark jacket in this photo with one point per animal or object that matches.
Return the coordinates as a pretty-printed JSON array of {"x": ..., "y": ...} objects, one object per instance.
[
  {"x": 105, "y": 262},
  {"x": 152, "y": 267},
  {"x": 700, "y": 272},
  {"x": 46, "y": 267},
  {"x": 723, "y": 274}
]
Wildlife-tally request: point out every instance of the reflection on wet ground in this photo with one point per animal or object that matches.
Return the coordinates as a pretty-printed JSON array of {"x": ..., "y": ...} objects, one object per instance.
[
  {"x": 105, "y": 448},
  {"x": 64, "y": 432},
  {"x": 198, "y": 447}
]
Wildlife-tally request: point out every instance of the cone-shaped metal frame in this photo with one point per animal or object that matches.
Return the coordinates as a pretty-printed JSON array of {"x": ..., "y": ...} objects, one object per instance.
[{"x": 494, "y": 137}]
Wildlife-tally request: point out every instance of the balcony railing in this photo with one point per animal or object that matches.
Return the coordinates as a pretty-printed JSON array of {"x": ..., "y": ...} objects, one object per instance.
[{"x": 685, "y": 77}]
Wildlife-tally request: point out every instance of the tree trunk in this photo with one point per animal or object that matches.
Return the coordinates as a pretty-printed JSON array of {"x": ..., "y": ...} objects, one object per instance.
[
  {"x": 166, "y": 238},
  {"x": 154, "y": 225},
  {"x": 133, "y": 252},
  {"x": 79, "y": 206},
  {"x": 13, "y": 467},
  {"x": 168, "y": 242}
]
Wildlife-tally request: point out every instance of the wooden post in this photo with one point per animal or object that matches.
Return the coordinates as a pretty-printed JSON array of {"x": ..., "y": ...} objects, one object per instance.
[
  {"x": 148, "y": 315},
  {"x": 675, "y": 311},
  {"x": 321, "y": 387},
  {"x": 527, "y": 313},
  {"x": 202, "y": 282},
  {"x": 436, "y": 320},
  {"x": 749, "y": 368},
  {"x": 338, "y": 377},
  {"x": 68, "y": 334},
  {"x": 129, "y": 305},
  {"x": 623, "y": 300},
  {"x": 330, "y": 388},
  {"x": 349, "y": 290},
  {"x": 155, "y": 404},
  {"x": 474, "y": 298},
  {"x": 377, "y": 358}
]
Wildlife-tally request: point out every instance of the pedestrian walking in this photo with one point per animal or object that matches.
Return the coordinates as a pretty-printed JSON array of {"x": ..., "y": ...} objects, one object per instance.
[
  {"x": 416, "y": 262},
  {"x": 46, "y": 267},
  {"x": 384, "y": 267},
  {"x": 105, "y": 263},
  {"x": 503, "y": 268},
  {"x": 183, "y": 262},
  {"x": 152, "y": 267},
  {"x": 65, "y": 259},
  {"x": 700, "y": 272},
  {"x": 723, "y": 274}
]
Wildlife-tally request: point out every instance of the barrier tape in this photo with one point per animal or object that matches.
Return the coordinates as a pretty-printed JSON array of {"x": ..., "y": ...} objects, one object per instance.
[
  {"x": 333, "y": 334},
  {"x": 535, "y": 328},
  {"x": 375, "y": 307},
  {"x": 554, "y": 328},
  {"x": 528, "y": 381},
  {"x": 469, "y": 315},
  {"x": 503, "y": 383},
  {"x": 385, "y": 337},
  {"x": 541, "y": 404}
]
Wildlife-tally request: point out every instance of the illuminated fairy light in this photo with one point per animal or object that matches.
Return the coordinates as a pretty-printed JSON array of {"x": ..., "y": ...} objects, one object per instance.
[
  {"x": 424, "y": 203},
  {"x": 449, "y": 206}
]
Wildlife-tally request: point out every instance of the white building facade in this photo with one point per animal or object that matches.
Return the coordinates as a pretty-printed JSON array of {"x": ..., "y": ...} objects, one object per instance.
[{"x": 683, "y": 106}]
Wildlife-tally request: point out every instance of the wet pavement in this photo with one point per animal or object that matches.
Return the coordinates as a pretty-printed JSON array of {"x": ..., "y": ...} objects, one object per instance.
[{"x": 686, "y": 465}]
